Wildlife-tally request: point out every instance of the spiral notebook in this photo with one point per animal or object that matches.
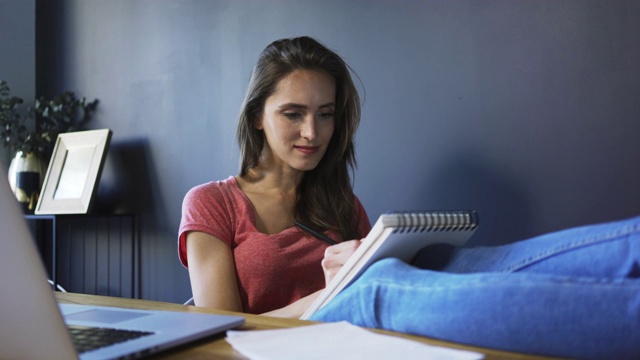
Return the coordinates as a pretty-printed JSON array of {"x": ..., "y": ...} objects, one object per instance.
[{"x": 399, "y": 235}]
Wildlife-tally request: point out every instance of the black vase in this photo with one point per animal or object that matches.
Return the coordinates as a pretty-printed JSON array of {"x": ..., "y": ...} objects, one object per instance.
[
  {"x": 28, "y": 170},
  {"x": 28, "y": 190}
]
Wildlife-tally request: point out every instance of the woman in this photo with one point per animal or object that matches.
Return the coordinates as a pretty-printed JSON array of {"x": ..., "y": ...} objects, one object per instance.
[
  {"x": 296, "y": 130},
  {"x": 574, "y": 293}
]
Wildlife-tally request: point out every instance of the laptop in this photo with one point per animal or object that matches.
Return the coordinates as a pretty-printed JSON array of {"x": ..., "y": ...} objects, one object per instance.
[{"x": 34, "y": 326}]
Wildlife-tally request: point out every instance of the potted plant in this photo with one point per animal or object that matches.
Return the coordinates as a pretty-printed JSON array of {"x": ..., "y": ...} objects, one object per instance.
[{"x": 29, "y": 133}]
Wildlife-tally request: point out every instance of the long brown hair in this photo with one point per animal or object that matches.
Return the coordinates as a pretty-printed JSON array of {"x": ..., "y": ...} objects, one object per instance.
[{"x": 325, "y": 197}]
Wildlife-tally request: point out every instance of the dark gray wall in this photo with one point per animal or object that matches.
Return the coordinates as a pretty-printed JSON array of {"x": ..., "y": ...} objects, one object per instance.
[
  {"x": 525, "y": 110},
  {"x": 18, "y": 51}
]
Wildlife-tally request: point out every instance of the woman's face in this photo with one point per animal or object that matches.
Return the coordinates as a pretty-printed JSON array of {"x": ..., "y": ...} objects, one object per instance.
[{"x": 298, "y": 120}]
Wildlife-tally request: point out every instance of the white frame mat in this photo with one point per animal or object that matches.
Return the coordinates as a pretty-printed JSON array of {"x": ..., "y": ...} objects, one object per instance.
[{"x": 73, "y": 173}]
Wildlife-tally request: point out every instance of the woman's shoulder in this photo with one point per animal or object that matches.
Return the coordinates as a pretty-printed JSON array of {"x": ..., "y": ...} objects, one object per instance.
[
  {"x": 213, "y": 188},
  {"x": 213, "y": 191},
  {"x": 364, "y": 224}
]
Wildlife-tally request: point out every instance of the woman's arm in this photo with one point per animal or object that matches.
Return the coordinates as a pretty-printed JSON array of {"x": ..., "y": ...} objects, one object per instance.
[
  {"x": 334, "y": 257},
  {"x": 212, "y": 272},
  {"x": 213, "y": 280}
]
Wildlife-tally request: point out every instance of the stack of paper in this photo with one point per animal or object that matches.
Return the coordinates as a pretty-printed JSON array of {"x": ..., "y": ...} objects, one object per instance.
[{"x": 336, "y": 341}]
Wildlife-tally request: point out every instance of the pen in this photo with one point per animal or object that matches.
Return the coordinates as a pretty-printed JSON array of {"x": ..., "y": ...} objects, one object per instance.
[{"x": 315, "y": 233}]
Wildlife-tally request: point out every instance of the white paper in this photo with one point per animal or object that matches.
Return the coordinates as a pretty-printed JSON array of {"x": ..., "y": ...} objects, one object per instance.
[{"x": 336, "y": 341}]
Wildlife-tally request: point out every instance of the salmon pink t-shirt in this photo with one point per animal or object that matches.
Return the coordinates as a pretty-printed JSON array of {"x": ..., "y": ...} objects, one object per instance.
[{"x": 272, "y": 270}]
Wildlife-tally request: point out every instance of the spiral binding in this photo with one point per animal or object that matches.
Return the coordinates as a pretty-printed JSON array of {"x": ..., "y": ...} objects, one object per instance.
[{"x": 421, "y": 221}]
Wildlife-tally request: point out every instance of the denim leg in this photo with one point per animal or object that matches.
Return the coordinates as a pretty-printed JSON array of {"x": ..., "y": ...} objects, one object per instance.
[
  {"x": 602, "y": 250},
  {"x": 573, "y": 293},
  {"x": 536, "y": 313}
]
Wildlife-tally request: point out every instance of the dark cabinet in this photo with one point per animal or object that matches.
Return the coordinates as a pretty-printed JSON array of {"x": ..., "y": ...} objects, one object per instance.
[{"x": 90, "y": 254}]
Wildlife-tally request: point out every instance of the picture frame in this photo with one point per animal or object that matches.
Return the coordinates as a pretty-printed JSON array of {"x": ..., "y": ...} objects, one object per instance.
[{"x": 74, "y": 172}]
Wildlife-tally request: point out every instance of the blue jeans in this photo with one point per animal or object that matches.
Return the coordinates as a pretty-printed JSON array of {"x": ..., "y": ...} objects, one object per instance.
[{"x": 573, "y": 293}]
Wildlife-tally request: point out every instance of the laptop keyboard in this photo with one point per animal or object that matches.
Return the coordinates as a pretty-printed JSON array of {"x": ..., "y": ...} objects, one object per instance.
[{"x": 91, "y": 338}]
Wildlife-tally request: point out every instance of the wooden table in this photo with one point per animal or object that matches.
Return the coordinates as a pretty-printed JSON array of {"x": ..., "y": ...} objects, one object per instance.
[{"x": 216, "y": 347}]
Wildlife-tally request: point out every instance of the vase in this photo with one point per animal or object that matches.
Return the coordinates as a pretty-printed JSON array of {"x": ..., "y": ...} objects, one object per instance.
[{"x": 26, "y": 175}]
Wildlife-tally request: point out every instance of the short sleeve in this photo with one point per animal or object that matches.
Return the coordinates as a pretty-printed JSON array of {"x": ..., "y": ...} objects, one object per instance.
[{"x": 205, "y": 209}]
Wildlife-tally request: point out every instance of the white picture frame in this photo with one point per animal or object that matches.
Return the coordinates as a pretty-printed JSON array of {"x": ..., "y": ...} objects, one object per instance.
[{"x": 73, "y": 173}]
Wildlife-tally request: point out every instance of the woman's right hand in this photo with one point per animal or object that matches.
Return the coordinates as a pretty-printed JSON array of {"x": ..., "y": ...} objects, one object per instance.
[{"x": 335, "y": 256}]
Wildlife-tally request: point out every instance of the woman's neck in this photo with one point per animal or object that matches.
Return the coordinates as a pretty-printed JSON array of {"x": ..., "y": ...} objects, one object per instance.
[
  {"x": 260, "y": 179},
  {"x": 273, "y": 198}
]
